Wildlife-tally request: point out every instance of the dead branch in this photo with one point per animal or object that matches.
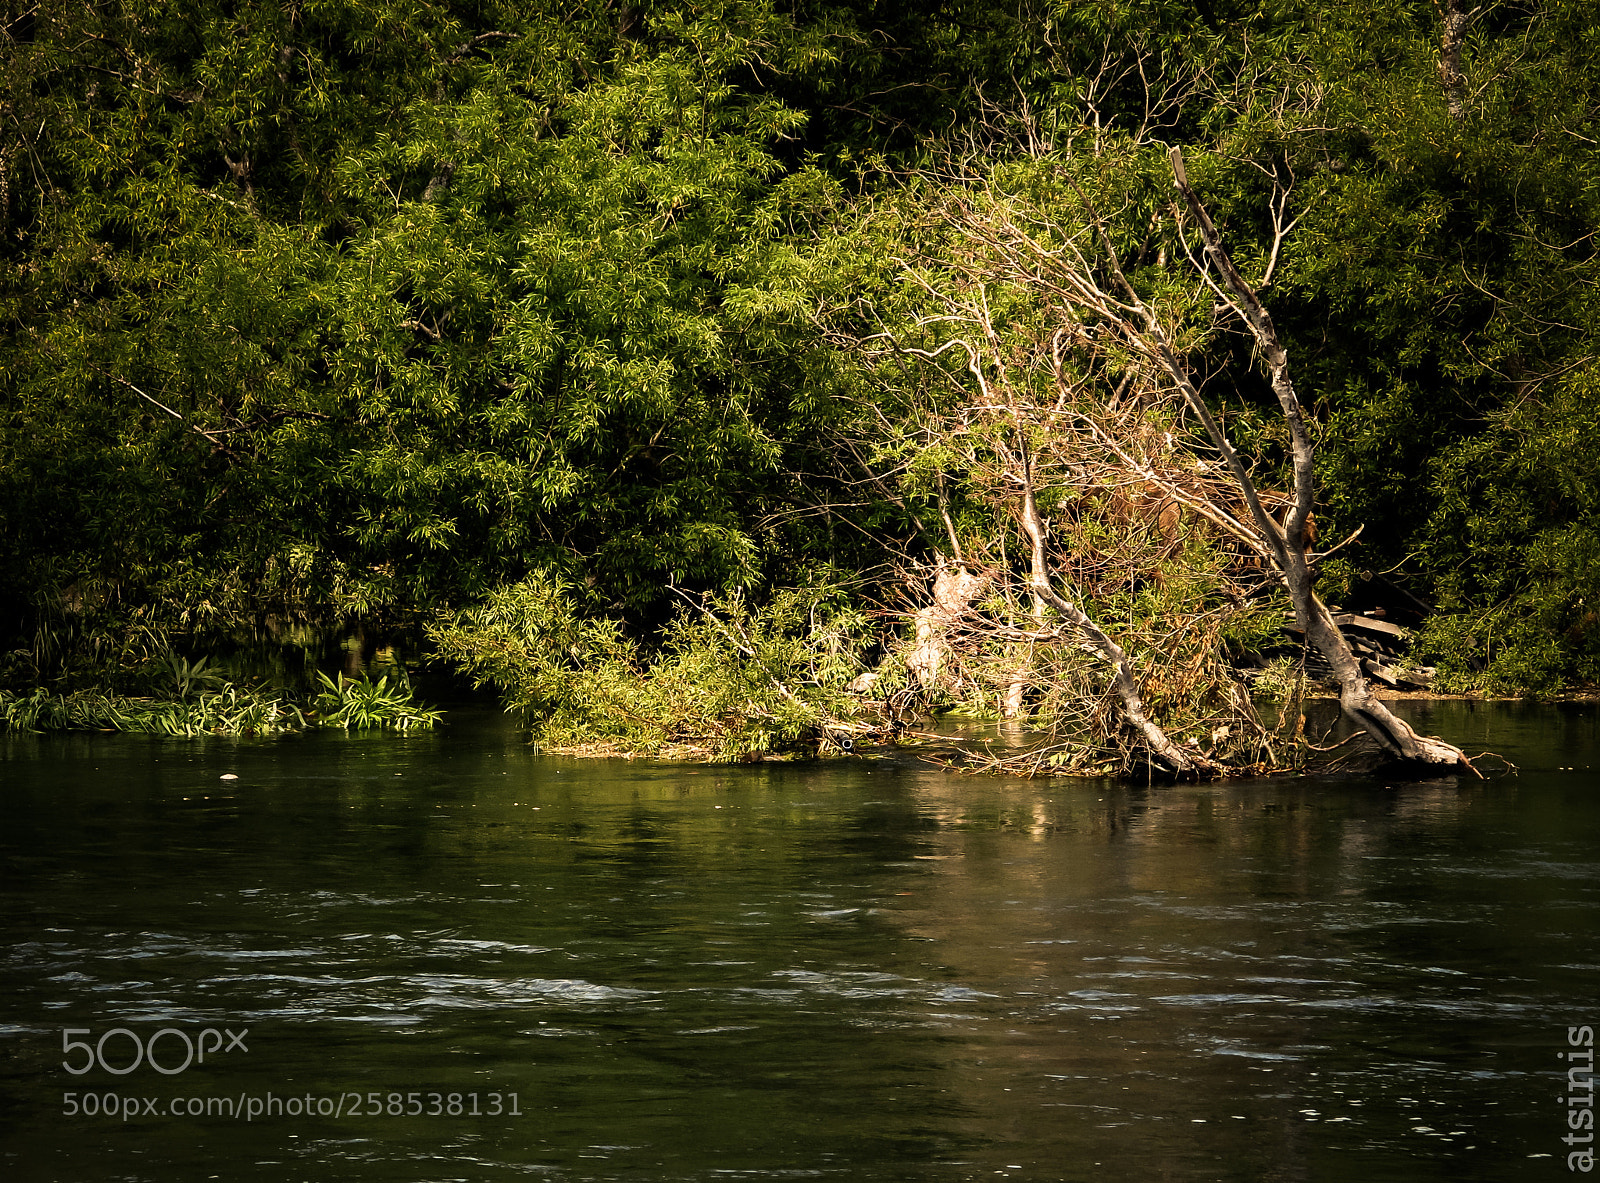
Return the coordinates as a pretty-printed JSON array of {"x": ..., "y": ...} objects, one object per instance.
[{"x": 1394, "y": 737}]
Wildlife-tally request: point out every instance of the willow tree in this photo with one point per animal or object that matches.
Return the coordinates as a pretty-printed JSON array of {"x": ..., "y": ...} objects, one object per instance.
[{"x": 330, "y": 316}]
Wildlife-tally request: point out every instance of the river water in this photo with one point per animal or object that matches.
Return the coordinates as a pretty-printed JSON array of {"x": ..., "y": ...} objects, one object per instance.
[{"x": 445, "y": 957}]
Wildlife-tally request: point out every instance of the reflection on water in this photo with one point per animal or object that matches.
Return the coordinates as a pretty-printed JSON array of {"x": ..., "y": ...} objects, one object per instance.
[{"x": 866, "y": 971}]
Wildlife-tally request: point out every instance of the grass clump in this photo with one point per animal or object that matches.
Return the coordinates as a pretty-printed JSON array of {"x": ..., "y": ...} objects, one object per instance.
[
  {"x": 198, "y": 699},
  {"x": 358, "y": 704}
]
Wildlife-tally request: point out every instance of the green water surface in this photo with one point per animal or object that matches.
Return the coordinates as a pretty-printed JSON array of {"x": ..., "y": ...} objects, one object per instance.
[{"x": 869, "y": 970}]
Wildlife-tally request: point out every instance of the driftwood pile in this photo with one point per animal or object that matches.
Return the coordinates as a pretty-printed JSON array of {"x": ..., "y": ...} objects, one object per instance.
[{"x": 1378, "y": 644}]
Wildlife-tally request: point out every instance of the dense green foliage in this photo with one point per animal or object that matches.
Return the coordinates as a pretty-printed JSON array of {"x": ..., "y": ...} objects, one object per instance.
[
  {"x": 382, "y": 315},
  {"x": 725, "y": 682},
  {"x": 478, "y": 292}
]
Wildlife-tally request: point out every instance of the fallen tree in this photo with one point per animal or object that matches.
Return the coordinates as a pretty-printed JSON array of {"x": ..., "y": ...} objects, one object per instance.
[
  {"x": 1062, "y": 399},
  {"x": 1068, "y": 587},
  {"x": 1285, "y": 544}
]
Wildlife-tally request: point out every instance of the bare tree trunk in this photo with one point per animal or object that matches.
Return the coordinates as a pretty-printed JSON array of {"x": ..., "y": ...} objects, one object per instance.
[
  {"x": 627, "y": 20},
  {"x": 1453, "y": 24},
  {"x": 954, "y": 589},
  {"x": 1288, "y": 542},
  {"x": 1022, "y": 675}
]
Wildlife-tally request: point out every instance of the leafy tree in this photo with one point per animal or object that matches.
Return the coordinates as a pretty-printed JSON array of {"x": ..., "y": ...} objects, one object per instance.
[{"x": 346, "y": 315}]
